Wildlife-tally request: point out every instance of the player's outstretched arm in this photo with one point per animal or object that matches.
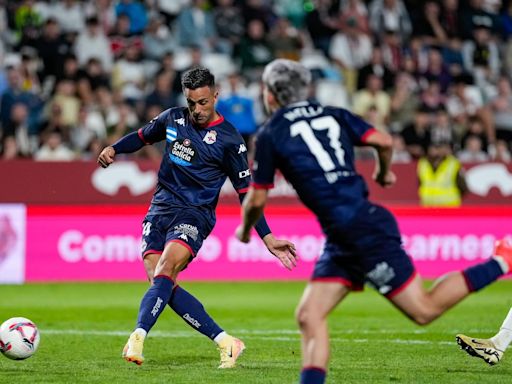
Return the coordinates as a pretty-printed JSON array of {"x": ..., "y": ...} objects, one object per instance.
[
  {"x": 126, "y": 144},
  {"x": 383, "y": 143},
  {"x": 106, "y": 156}
]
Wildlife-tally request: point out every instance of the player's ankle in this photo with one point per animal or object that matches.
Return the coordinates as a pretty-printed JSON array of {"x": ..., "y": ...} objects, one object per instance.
[{"x": 220, "y": 337}]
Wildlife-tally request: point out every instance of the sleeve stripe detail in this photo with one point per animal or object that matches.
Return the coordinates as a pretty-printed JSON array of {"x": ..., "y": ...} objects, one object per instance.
[
  {"x": 141, "y": 136},
  {"x": 367, "y": 134},
  {"x": 262, "y": 186},
  {"x": 243, "y": 190}
]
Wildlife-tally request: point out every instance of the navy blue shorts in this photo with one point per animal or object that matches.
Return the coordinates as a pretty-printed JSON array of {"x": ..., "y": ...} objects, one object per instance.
[
  {"x": 184, "y": 226},
  {"x": 369, "y": 251}
]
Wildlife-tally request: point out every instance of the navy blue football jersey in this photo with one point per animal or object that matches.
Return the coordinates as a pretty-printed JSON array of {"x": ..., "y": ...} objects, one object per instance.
[
  {"x": 196, "y": 161},
  {"x": 313, "y": 147}
]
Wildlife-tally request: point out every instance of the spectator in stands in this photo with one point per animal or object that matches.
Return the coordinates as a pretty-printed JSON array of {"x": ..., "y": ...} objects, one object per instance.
[
  {"x": 472, "y": 151},
  {"x": 322, "y": 24},
  {"x": 15, "y": 94},
  {"x": 350, "y": 50},
  {"x": 465, "y": 102},
  {"x": 162, "y": 96},
  {"x": 400, "y": 153},
  {"x": 90, "y": 127},
  {"x": 52, "y": 48},
  {"x": 18, "y": 129},
  {"x": 258, "y": 10},
  {"x": 70, "y": 15},
  {"x": 196, "y": 27},
  {"x": 441, "y": 177},
  {"x": 90, "y": 79},
  {"x": 237, "y": 108},
  {"x": 53, "y": 149},
  {"x": 377, "y": 67},
  {"x": 128, "y": 75},
  {"x": 404, "y": 102},
  {"x": 136, "y": 12},
  {"x": 157, "y": 40},
  {"x": 442, "y": 129},
  {"x": 354, "y": 10},
  {"x": 502, "y": 152},
  {"x": 285, "y": 40},
  {"x": 255, "y": 51},
  {"x": 432, "y": 96},
  {"x": 417, "y": 134},
  {"x": 229, "y": 23},
  {"x": 372, "y": 96},
  {"x": 92, "y": 42},
  {"x": 392, "y": 51},
  {"x": 390, "y": 15},
  {"x": 502, "y": 110},
  {"x": 475, "y": 15},
  {"x": 481, "y": 55},
  {"x": 436, "y": 69},
  {"x": 105, "y": 11},
  {"x": 67, "y": 102}
]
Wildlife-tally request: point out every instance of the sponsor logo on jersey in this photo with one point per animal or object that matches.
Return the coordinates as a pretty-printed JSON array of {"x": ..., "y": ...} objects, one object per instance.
[
  {"x": 182, "y": 152},
  {"x": 242, "y": 148},
  {"x": 171, "y": 133},
  {"x": 180, "y": 121},
  {"x": 186, "y": 230},
  {"x": 245, "y": 173},
  {"x": 211, "y": 137}
]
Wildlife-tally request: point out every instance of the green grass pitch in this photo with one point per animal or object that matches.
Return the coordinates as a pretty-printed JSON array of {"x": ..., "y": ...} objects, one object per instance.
[{"x": 85, "y": 326}]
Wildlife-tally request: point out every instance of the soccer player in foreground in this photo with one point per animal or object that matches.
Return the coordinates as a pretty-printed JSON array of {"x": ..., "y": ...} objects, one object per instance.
[
  {"x": 313, "y": 146},
  {"x": 491, "y": 350},
  {"x": 201, "y": 150}
]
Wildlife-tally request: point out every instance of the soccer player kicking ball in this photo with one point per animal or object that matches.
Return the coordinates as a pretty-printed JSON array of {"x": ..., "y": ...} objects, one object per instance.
[
  {"x": 491, "y": 350},
  {"x": 313, "y": 146},
  {"x": 201, "y": 150}
]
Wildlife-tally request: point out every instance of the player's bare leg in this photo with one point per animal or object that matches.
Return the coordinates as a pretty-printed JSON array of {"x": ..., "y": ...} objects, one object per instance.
[
  {"x": 424, "y": 306},
  {"x": 318, "y": 300}
]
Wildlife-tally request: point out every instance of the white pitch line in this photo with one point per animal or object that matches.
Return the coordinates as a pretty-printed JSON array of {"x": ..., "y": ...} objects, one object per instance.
[{"x": 253, "y": 334}]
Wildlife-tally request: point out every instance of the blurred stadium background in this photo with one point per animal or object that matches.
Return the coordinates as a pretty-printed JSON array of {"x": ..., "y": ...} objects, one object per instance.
[{"x": 77, "y": 75}]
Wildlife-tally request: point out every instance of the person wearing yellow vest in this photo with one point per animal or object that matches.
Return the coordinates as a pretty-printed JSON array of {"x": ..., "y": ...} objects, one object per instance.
[{"x": 441, "y": 177}]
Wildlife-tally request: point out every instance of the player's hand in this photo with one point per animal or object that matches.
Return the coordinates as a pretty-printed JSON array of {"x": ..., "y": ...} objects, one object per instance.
[
  {"x": 106, "y": 156},
  {"x": 385, "y": 179},
  {"x": 283, "y": 250},
  {"x": 243, "y": 236}
]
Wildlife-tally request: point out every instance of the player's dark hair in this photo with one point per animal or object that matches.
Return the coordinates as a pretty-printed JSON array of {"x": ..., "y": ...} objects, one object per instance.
[{"x": 197, "y": 77}]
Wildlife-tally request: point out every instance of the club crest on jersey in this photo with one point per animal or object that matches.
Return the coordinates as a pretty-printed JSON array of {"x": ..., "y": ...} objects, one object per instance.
[
  {"x": 211, "y": 137},
  {"x": 180, "y": 121}
]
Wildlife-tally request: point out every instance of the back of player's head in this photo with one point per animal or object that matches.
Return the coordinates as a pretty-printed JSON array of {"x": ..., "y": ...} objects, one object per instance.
[
  {"x": 287, "y": 80},
  {"x": 197, "y": 77}
]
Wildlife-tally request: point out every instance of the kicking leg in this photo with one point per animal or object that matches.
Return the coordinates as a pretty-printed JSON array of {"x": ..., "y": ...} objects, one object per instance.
[
  {"x": 318, "y": 300},
  {"x": 423, "y": 307},
  {"x": 173, "y": 259}
]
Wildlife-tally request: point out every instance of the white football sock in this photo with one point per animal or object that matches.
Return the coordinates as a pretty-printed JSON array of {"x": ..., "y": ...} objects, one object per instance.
[
  {"x": 218, "y": 339},
  {"x": 141, "y": 332},
  {"x": 504, "y": 337}
]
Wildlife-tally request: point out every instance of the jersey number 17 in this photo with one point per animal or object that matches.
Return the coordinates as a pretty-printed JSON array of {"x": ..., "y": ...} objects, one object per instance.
[{"x": 306, "y": 131}]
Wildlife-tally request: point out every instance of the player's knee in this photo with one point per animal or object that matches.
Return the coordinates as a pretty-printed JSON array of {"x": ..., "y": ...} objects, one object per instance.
[
  {"x": 425, "y": 316},
  {"x": 307, "y": 318}
]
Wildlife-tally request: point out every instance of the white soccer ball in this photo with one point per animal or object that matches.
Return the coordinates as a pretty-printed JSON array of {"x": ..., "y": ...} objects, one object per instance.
[{"x": 19, "y": 338}]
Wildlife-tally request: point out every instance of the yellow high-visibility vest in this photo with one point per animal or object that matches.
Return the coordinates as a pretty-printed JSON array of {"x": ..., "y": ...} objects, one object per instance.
[{"x": 439, "y": 188}]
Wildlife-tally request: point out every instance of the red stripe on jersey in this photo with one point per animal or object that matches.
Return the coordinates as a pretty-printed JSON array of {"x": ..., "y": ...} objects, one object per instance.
[
  {"x": 367, "y": 134},
  {"x": 139, "y": 132},
  {"x": 262, "y": 186},
  {"x": 216, "y": 122},
  {"x": 243, "y": 190}
]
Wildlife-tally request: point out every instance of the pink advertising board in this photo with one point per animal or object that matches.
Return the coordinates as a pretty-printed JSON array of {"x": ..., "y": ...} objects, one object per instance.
[{"x": 98, "y": 243}]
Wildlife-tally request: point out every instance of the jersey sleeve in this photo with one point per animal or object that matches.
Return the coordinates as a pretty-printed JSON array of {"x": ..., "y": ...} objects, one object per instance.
[
  {"x": 264, "y": 162},
  {"x": 236, "y": 164},
  {"x": 358, "y": 129},
  {"x": 154, "y": 131}
]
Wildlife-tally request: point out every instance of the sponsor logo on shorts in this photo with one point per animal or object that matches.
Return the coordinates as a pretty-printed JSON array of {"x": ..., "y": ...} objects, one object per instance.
[
  {"x": 245, "y": 173},
  {"x": 186, "y": 230},
  {"x": 380, "y": 276}
]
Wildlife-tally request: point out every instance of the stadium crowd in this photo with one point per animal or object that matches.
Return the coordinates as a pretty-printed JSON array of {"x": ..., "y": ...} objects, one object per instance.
[{"x": 78, "y": 75}]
